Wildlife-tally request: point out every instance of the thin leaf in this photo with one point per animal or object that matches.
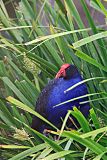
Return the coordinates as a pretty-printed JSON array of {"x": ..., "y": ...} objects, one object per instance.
[
  {"x": 58, "y": 155},
  {"x": 7, "y": 81},
  {"x": 81, "y": 120},
  {"x": 73, "y": 99},
  {"x": 79, "y": 83},
  {"x": 94, "y": 119},
  {"x": 49, "y": 37},
  {"x": 28, "y": 109},
  {"x": 89, "y": 39},
  {"x": 13, "y": 146},
  {"x": 28, "y": 152}
]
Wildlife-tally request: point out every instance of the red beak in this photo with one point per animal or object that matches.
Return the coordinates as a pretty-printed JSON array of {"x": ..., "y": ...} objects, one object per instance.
[
  {"x": 58, "y": 75},
  {"x": 61, "y": 73}
]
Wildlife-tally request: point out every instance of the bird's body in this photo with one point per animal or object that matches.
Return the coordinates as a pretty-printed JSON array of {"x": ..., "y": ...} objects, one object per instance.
[{"x": 54, "y": 94}]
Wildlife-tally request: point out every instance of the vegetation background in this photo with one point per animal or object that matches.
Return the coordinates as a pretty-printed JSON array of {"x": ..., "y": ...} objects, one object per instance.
[{"x": 34, "y": 44}]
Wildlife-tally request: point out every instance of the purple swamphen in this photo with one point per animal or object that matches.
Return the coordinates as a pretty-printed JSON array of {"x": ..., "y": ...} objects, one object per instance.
[{"x": 54, "y": 94}]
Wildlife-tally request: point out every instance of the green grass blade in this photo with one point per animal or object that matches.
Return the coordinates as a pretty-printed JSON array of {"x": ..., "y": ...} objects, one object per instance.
[
  {"x": 56, "y": 147},
  {"x": 7, "y": 81},
  {"x": 58, "y": 155},
  {"x": 102, "y": 7},
  {"x": 77, "y": 98},
  {"x": 94, "y": 133},
  {"x": 81, "y": 120},
  {"x": 13, "y": 147},
  {"x": 90, "y": 39},
  {"x": 94, "y": 119},
  {"x": 49, "y": 37},
  {"x": 95, "y": 147},
  {"x": 28, "y": 152},
  {"x": 28, "y": 109},
  {"x": 84, "y": 81},
  {"x": 99, "y": 156},
  {"x": 94, "y": 29},
  {"x": 90, "y": 60}
]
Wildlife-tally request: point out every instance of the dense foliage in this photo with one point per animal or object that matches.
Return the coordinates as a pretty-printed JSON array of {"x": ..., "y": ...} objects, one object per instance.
[{"x": 33, "y": 47}]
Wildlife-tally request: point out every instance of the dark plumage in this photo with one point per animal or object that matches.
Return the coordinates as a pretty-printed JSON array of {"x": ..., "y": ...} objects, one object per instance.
[{"x": 53, "y": 94}]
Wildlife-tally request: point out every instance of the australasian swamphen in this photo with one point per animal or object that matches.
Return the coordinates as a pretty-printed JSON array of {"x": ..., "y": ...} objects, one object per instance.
[{"x": 54, "y": 94}]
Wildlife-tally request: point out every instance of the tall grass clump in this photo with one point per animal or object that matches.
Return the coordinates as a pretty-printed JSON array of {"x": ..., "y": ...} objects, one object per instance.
[{"x": 34, "y": 44}]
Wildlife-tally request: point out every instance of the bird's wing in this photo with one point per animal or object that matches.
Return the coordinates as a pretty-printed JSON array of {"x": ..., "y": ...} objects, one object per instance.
[{"x": 42, "y": 104}]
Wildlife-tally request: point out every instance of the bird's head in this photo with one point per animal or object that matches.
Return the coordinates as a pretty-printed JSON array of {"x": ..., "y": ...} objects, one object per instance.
[{"x": 67, "y": 71}]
